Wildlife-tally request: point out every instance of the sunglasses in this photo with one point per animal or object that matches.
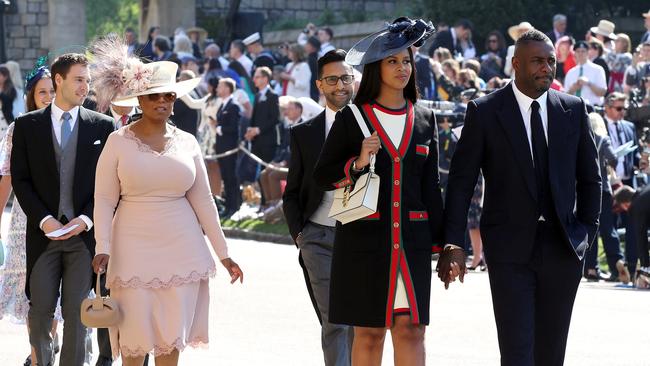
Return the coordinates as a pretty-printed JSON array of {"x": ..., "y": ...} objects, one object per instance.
[
  {"x": 619, "y": 109},
  {"x": 333, "y": 80},
  {"x": 167, "y": 97}
]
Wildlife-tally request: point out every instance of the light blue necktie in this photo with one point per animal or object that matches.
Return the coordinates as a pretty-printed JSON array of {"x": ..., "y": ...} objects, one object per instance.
[{"x": 65, "y": 128}]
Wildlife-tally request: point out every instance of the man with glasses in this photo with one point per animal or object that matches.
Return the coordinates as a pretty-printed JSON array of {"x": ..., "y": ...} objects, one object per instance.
[
  {"x": 586, "y": 79},
  {"x": 306, "y": 207},
  {"x": 620, "y": 132}
]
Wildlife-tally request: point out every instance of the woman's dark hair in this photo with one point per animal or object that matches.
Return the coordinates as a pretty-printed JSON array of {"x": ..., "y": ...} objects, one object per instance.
[
  {"x": 501, "y": 41},
  {"x": 214, "y": 64},
  {"x": 7, "y": 94},
  {"x": 30, "y": 103},
  {"x": 151, "y": 30},
  {"x": 237, "y": 67},
  {"x": 371, "y": 83},
  {"x": 214, "y": 83}
]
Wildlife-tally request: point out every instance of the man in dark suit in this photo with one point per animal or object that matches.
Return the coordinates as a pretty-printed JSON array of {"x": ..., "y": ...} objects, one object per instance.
[
  {"x": 266, "y": 115},
  {"x": 637, "y": 204},
  {"x": 306, "y": 207},
  {"x": 228, "y": 117},
  {"x": 620, "y": 132},
  {"x": 541, "y": 203},
  {"x": 53, "y": 160},
  {"x": 424, "y": 74},
  {"x": 559, "y": 28},
  {"x": 450, "y": 39}
]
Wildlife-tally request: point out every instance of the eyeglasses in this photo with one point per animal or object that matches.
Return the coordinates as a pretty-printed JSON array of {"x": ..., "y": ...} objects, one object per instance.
[
  {"x": 333, "y": 80},
  {"x": 167, "y": 97},
  {"x": 619, "y": 109}
]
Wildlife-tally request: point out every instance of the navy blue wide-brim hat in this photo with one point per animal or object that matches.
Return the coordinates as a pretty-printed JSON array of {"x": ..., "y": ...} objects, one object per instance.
[{"x": 394, "y": 38}]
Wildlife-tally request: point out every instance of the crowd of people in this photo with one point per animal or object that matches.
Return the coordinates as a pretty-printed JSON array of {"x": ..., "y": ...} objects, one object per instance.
[{"x": 256, "y": 130}]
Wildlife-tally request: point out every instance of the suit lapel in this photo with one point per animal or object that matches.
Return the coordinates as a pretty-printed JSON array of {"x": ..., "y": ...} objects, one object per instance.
[
  {"x": 510, "y": 118},
  {"x": 44, "y": 133},
  {"x": 83, "y": 142},
  {"x": 558, "y": 125}
]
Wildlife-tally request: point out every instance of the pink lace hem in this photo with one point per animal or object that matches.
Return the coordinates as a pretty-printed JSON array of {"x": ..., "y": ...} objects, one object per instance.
[
  {"x": 165, "y": 349},
  {"x": 156, "y": 283}
]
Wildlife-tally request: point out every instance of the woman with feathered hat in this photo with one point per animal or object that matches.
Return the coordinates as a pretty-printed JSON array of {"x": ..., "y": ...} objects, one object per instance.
[
  {"x": 381, "y": 265},
  {"x": 152, "y": 205}
]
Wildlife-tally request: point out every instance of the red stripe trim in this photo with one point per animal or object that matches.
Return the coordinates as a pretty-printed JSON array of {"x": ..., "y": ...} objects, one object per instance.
[
  {"x": 392, "y": 285},
  {"x": 422, "y": 149},
  {"x": 418, "y": 215},
  {"x": 348, "y": 168},
  {"x": 388, "y": 110},
  {"x": 436, "y": 249},
  {"x": 402, "y": 311},
  {"x": 380, "y": 130},
  {"x": 409, "y": 130},
  {"x": 375, "y": 216},
  {"x": 410, "y": 291}
]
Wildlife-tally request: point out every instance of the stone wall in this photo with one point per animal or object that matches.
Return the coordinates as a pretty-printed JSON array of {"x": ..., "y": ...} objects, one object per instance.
[
  {"x": 287, "y": 10},
  {"x": 24, "y": 32}
]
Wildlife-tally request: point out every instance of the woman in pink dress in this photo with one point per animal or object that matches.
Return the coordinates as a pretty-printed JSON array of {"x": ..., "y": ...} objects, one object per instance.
[{"x": 152, "y": 206}]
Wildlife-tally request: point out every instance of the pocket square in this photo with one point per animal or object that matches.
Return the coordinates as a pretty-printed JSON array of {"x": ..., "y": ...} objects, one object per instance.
[{"x": 97, "y": 142}]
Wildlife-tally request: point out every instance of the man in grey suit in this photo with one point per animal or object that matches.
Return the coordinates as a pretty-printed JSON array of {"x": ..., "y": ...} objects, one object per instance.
[{"x": 53, "y": 161}]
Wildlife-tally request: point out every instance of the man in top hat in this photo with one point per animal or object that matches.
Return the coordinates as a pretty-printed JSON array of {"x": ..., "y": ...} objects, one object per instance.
[
  {"x": 262, "y": 56},
  {"x": 604, "y": 31},
  {"x": 541, "y": 203},
  {"x": 586, "y": 79},
  {"x": 559, "y": 28},
  {"x": 53, "y": 161}
]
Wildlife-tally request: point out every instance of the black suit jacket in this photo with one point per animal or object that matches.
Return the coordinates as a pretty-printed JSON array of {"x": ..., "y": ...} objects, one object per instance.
[
  {"x": 35, "y": 175},
  {"x": 446, "y": 40},
  {"x": 301, "y": 195},
  {"x": 228, "y": 117},
  {"x": 266, "y": 115},
  {"x": 494, "y": 141}
]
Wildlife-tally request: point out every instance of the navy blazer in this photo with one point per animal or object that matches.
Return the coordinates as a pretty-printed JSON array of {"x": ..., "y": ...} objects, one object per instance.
[
  {"x": 494, "y": 141},
  {"x": 228, "y": 117}
]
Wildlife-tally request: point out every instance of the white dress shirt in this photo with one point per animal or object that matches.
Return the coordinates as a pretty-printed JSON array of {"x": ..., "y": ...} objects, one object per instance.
[
  {"x": 247, "y": 63},
  {"x": 57, "y": 122},
  {"x": 321, "y": 215},
  {"x": 596, "y": 76},
  {"x": 525, "y": 102}
]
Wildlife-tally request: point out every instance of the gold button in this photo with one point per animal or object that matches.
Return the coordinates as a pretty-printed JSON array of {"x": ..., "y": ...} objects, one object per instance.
[
  {"x": 396, "y": 224},
  {"x": 396, "y": 182},
  {"x": 395, "y": 204},
  {"x": 396, "y": 246},
  {"x": 397, "y": 159}
]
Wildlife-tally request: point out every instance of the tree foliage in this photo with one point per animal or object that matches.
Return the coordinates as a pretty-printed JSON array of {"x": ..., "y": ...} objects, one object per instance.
[{"x": 111, "y": 16}]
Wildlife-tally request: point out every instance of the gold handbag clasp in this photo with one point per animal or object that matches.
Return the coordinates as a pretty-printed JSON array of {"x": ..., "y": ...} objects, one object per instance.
[{"x": 346, "y": 196}]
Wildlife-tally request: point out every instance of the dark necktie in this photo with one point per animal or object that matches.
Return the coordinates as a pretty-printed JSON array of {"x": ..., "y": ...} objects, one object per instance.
[{"x": 540, "y": 153}]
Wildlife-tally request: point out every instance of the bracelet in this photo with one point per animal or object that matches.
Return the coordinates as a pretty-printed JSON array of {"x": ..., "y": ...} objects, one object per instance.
[{"x": 354, "y": 166}]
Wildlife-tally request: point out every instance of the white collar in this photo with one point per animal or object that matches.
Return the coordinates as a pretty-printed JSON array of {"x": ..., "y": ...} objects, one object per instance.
[
  {"x": 225, "y": 101},
  {"x": 57, "y": 113},
  {"x": 330, "y": 115},
  {"x": 266, "y": 88},
  {"x": 525, "y": 101}
]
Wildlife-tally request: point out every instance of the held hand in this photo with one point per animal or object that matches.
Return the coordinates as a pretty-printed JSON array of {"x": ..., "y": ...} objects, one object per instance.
[
  {"x": 51, "y": 224},
  {"x": 100, "y": 262},
  {"x": 369, "y": 146},
  {"x": 234, "y": 270},
  {"x": 78, "y": 230},
  {"x": 451, "y": 265}
]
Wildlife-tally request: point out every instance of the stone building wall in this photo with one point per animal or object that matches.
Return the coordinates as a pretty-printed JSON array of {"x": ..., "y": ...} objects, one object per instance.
[
  {"x": 283, "y": 10},
  {"x": 25, "y": 32}
]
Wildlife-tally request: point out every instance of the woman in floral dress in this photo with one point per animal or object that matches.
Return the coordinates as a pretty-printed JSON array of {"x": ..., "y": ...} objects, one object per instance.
[{"x": 13, "y": 301}]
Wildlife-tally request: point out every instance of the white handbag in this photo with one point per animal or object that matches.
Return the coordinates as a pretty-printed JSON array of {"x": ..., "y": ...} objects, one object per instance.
[{"x": 357, "y": 201}]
